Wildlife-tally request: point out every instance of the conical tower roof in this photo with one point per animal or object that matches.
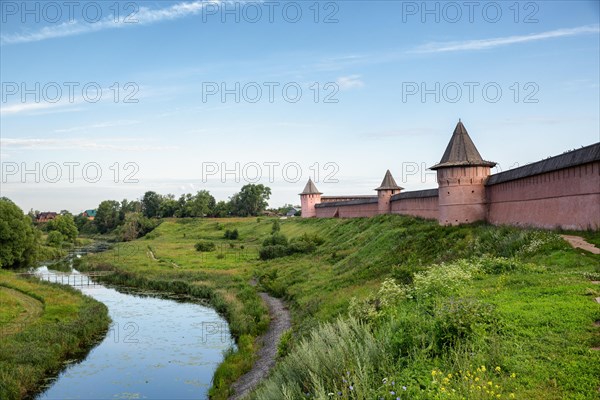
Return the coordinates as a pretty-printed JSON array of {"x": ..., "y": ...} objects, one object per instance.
[
  {"x": 310, "y": 188},
  {"x": 388, "y": 182},
  {"x": 461, "y": 151}
]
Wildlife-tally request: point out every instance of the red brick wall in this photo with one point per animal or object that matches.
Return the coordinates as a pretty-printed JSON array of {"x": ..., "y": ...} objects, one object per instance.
[
  {"x": 348, "y": 211},
  {"x": 424, "y": 207},
  {"x": 567, "y": 198}
]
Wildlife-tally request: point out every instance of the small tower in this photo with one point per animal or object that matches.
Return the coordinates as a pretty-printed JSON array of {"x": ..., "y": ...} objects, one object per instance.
[
  {"x": 385, "y": 191},
  {"x": 308, "y": 198},
  {"x": 461, "y": 175}
]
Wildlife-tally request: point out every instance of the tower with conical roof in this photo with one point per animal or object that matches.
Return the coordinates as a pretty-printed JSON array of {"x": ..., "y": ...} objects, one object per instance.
[
  {"x": 309, "y": 197},
  {"x": 461, "y": 175},
  {"x": 385, "y": 191}
]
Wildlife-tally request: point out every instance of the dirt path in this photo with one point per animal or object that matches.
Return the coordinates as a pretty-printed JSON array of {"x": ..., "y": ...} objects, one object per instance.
[
  {"x": 280, "y": 322},
  {"x": 581, "y": 243},
  {"x": 33, "y": 310}
]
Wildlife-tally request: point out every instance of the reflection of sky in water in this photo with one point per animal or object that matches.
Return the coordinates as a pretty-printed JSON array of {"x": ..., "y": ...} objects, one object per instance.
[{"x": 155, "y": 349}]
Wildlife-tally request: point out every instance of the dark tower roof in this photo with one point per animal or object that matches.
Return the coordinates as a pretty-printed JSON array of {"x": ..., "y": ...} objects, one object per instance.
[
  {"x": 388, "y": 183},
  {"x": 461, "y": 151},
  {"x": 310, "y": 188}
]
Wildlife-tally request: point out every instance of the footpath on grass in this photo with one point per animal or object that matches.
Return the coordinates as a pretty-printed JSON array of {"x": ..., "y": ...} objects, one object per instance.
[
  {"x": 280, "y": 322},
  {"x": 580, "y": 243}
]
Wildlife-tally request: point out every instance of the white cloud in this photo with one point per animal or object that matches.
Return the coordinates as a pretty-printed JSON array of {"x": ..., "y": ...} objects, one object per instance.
[
  {"x": 349, "y": 82},
  {"x": 483, "y": 44},
  {"x": 143, "y": 17},
  {"x": 113, "y": 144},
  {"x": 107, "y": 124}
]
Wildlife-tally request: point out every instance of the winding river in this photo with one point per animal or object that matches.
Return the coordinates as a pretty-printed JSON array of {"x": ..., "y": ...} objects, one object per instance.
[{"x": 156, "y": 348}]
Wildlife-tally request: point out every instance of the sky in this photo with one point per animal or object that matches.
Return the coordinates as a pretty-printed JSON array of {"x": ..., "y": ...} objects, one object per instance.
[{"x": 106, "y": 100}]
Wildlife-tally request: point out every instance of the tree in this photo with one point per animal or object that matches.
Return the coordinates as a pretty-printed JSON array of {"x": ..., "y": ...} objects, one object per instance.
[
  {"x": 65, "y": 225},
  {"x": 221, "y": 209},
  {"x": 55, "y": 239},
  {"x": 200, "y": 205},
  {"x": 251, "y": 200},
  {"x": 18, "y": 237},
  {"x": 169, "y": 207},
  {"x": 151, "y": 204},
  {"x": 107, "y": 216},
  {"x": 136, "y": 225}
]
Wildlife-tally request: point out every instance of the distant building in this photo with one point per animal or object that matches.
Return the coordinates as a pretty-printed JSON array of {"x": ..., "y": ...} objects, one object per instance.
[
  {"x": 559, "y": 192},
  {"x": 292, "y": 212},
  {"x": 89, "y": 214},
  {"x": 45, "y": 217}
]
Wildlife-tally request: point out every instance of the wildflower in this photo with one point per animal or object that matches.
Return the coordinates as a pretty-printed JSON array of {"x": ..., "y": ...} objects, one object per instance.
[
  {"x": 403, "y": 387},
  {"x": 433, "y": 372},
  {"x": 498, "y": 369},
  {"x": 489, "y": 383},
  {"x": 392, "y": 392},
  {"x": 351, "y": 387},
  {"x": 449, "y": 376},
  {"x": 330, "y": 394},
  {"x": 513, "y": 375},
  {"x": 512, "y": 395},
  {"x": 384, "y": 380},
  {"x": 483, "y": 368}
]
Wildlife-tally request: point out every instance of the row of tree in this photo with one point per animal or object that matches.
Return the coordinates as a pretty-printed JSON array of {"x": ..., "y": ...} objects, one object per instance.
[{"x": 133, "y": 218}]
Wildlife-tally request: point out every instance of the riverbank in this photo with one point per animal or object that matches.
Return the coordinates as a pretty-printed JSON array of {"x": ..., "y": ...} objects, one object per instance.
[
  {"x": 42, "y": 327},
  {"x": 537, "y": 290}
]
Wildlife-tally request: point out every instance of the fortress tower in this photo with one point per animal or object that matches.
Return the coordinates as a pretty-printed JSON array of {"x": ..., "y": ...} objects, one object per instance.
[
  {"x": 461, "y": 174},
  {"x": 385, "y": 191},
  {"x": 308, "y": 198}
]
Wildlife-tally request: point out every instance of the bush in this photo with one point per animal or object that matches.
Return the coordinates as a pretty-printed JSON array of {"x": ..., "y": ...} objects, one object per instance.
[
  {"x": 342, "y": 357},
  {"x": 205, "y": 246},
  {"x": 444, "y": 279},
  {"x": 55, "y": 239},
  {"x": 276, "y": 239},
  {"x": 231, "y": 235},
  {"x": 273, "y": 251},
  {"x": 458, "y": 320}
]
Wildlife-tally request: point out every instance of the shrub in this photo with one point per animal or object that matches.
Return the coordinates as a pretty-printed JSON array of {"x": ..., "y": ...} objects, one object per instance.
[
  {"x": 276, "y": 239},
  {"x": 273, "y": 251},
  {"x": 231, "y": 235},
  {"x": 276, "y": 227},
  {"x": 55, "y": 239},
  {"x": 342, "y": 357},
  {"x": 444, "y": 279},
  {"x": 205, "y": 246},
  {"x": 460, "y": 319}
]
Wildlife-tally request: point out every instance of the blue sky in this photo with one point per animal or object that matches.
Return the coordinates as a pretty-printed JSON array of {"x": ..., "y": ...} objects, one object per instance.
[{"x": 373, "y": 58}]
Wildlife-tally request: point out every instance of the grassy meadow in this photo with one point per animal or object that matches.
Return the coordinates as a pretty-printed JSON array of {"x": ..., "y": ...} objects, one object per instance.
[
  {"x": 388, "y": 307},
  {"x": 42, "y": 326}
]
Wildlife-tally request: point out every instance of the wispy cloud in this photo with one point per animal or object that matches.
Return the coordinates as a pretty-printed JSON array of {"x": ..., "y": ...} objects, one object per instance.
[
  {"x": 29, "y": 107},
  {"x": 99, "y": 125},
  {"x": 144, "y": 16},
  {"x": 349, "y": 82},
  {"x": 112, "y": 144},
  {"x": 483, "y": 44}
]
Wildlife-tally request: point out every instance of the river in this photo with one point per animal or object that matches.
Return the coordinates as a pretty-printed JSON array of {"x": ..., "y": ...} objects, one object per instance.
[{"x": 156, "y": 348}]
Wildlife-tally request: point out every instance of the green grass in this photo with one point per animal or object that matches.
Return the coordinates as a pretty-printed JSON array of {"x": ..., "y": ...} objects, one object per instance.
[
  {"x": 541, "y": 301},
  {"x": 41, "y": 326}
]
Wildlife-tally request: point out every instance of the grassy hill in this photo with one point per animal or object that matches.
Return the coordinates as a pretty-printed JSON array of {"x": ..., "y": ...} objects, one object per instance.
[{"x": 436, "y": 310}]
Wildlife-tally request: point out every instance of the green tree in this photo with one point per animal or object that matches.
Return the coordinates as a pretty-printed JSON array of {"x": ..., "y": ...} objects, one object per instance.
[
  {"x": 55, "y": 239},
  {"x": 65, "y": 225},
  {"x": 107, "y": 216},
  {"x": 18, "y": 237},
  {"x": 251, "y": 200},
  {"x": 151, "y": 204},
  {"x": 222, "y": 209},
  {"x": 169, "y": 207},
  {"x": 201, "y": 204}
]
